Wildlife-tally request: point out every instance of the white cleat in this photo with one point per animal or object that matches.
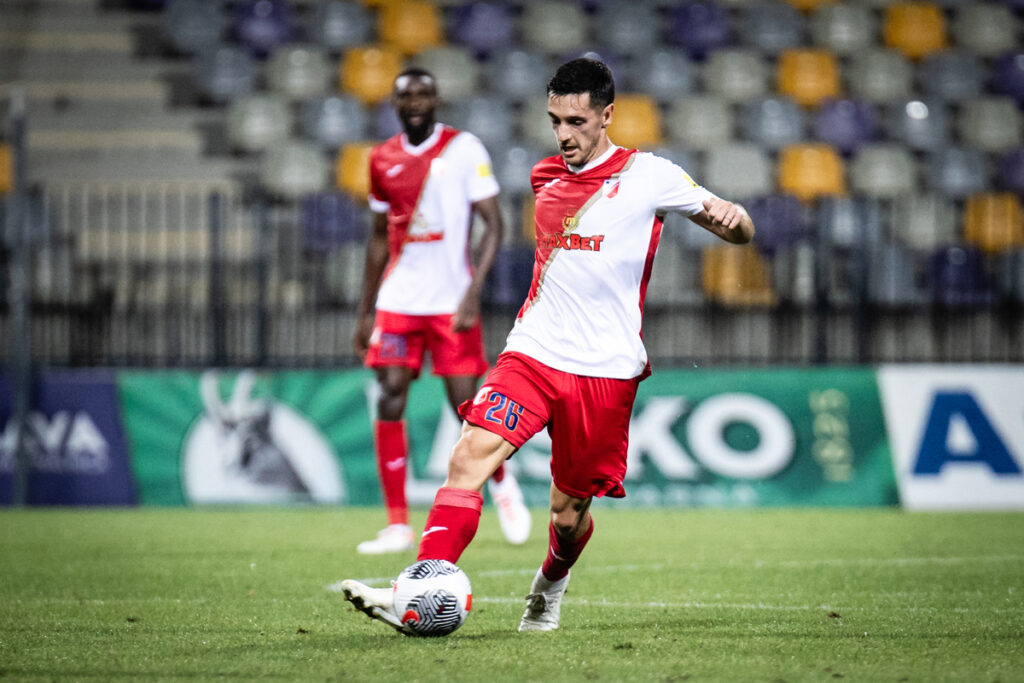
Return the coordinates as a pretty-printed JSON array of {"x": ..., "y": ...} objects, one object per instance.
[
  {"x": 513, "y": 515},
  {"x": 376, "y": 603},
  {"x": 543, "y": 604},
  {"x": 395, "y": 538}
]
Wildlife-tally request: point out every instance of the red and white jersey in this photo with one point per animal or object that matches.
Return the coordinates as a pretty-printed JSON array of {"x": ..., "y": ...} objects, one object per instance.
[
  {"x": 597, "y": 229},
  {"x": 427, "y": 191}
]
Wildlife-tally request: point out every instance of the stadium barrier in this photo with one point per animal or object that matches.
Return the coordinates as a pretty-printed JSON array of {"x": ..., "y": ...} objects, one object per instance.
[{"x": 923, "y": 436}]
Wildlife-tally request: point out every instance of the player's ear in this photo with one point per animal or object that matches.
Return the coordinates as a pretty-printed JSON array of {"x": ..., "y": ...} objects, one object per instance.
[{"x": 606, "y": 115}]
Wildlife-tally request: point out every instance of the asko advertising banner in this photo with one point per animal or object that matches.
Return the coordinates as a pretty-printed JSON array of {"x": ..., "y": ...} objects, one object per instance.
[
  {"x": 698, "y": 438},
  {"x": 957, "y": 434}
]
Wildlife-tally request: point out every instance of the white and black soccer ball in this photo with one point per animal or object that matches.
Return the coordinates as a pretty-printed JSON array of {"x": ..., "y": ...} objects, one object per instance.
[{"x": 432, "y": 597}]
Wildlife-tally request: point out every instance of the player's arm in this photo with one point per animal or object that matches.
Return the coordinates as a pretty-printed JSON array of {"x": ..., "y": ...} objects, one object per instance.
[
  {"x": 376, "y": 261},
  {"x": 487, "y": 250},
  {"x": 728, "y": 220}
]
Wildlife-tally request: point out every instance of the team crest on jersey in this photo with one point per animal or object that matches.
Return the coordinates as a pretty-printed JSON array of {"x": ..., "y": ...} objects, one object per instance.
[{"x": 610, "y": 189}]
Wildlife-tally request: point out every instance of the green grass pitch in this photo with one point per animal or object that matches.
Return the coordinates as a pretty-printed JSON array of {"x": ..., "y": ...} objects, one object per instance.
[{"x": 659, "y": 595}]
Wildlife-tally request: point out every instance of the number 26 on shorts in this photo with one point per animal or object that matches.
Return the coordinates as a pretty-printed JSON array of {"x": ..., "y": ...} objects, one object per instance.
[{"x": 503, "y": 411}]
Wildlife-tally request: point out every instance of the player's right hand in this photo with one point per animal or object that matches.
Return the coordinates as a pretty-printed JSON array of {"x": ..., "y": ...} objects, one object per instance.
[{"x": 361, "y": 339}]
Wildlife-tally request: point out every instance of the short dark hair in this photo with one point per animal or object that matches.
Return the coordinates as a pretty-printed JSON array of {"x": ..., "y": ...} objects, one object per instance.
[{"x": 584, "y": 75}]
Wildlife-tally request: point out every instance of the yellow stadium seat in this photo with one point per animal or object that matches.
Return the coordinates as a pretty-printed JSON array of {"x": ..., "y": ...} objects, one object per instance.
[
  {"x": 353, "y": 169},
  {"x": 811, "y": 170},
  {"x": 916, "y": 29},
  {"x": 410, "y": 26},
  {"x": 994, "y": 221},
  {"x": 6, "y": 169},
  {"x": 635, "y": 122},
  {"x": 808, "y": 75},
  {"x": 809, "y": 5},
  {"x": 736, "y": 276},
  {"x": 528, "y": 227},
  {"x": 368, "y": 73}
]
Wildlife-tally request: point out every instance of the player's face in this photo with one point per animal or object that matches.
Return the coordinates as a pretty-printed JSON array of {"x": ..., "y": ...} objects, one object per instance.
[
  {"x": 580, "y": 130},
  {"x": 415, "y": 101}
]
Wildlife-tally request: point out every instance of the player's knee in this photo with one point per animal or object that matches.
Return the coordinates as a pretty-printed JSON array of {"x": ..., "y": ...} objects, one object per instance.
[
  {"x": 566, "y": 522},
  {"x": 391, "y": 402}
]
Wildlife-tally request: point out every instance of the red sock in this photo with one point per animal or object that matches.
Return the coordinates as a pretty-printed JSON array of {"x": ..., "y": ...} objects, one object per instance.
[
  {"x": 562, "y": 553},
  {"x": 392, "y": 454},
  {"x": 451, "y": 524},
  {"x": 499, "y": 474}
]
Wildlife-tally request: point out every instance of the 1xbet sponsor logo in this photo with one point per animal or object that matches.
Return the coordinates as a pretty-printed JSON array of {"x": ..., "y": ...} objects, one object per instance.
[{"x": 573, "y": 241}]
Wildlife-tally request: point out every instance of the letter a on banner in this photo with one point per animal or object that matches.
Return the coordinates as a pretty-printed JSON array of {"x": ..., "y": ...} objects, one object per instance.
[{"x": 935, "y": 452}]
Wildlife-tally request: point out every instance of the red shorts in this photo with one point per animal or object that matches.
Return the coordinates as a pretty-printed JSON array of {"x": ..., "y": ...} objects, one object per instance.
[
  {"x": 400, "y": 339},
  {"x": 587, "y": 418}
]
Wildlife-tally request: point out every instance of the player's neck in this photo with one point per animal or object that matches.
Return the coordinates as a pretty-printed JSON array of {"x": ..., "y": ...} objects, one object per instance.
[
  {"x": 601, "y": 153},
  {"x": 418, "y": 136}
]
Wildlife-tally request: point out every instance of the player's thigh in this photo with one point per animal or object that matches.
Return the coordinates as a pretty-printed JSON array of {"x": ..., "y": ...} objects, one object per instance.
[
  {"x": 590, "y": 436},
  {"x": 455, "y": 353},
  {"x": 476, "y": 456}
]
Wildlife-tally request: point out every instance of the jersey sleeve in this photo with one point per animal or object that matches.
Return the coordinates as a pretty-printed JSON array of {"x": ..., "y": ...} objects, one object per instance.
[
  {"x": 480, "y": 180},
  {"x": 378, "y": 198},
  {"x": 674, "y": 189}
]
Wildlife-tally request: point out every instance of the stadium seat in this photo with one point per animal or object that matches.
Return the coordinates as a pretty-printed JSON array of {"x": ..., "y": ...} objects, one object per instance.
[
  {"x": 883, "y": 170},
  {"x": 334, "y": 121},
  {"x": 808, "y": 75},
  {"x": 924, "y": 221},
  {"x": 256, "y": 122},
  {"x": 521, "y": 73},
  {"x": 455, "y": 70},
  {"x": 917, "y": 29},
  {"x": 773, "y": 122},
  {"x": 291, "y": 170},
  {"x": 410, "y": 26},
  {"x": 1008, "y": 76},
  {"x": 683, "y": 157},
  {"x": 262, "y": 25},
  {"x": 298, "y": 71},
  {"x": 384, "y": 122},
  {"x": 991, "y": 124},
  {"x": 368, "y": 73},
  {"x": 811, "y": 170},
  {"x": 483, "y": 26},
  {"x": 553, "y": 27},
  {"x": 675, "y": 279},
  {"x": 781, "y": 221},
  {"x": 846, "y": 124},
  {"x": 985, "y": 29},
  {"x": 736, "y": 75},
  {"x": 880, "y": 76},
  {"x": 352, "y": 170},
  {"x": 512, "y": 166},
  {"x": 663, "y": 74},
  {"x": 809, "y": 5},
  {"x": 1011, "y": 275},
  {"x": 6, "y": 169},
  {"x": 700, "y": 122},
  {"x": 698, "y": 27},
  {"x": 958, "y": 277},
  {"x": 490, "y": 119},
  {"x": 952, "y": 76},
  {"x": 850, "y": 222},
  {"x": 993, "y": 221},
  {"x": 636, "y": 122},
  {"x": 628, "y": 28},
  {"x": 191, "y": 27},
  {"x": 1011, "y": 171},
  {"x": 843, "y": 28},
  {"x": 536, "y": 126},
  {"x": 223, "y": 74},
  {"x": 957, "y": 171},
  {"x": 736, "y": 276},
  {"x": 919, "y": 124},
  {"x": 508, "y": 281},
  {"x": 338, "y": 25},
  {"x": 771, "y": 27},
  {"x": 330, "y": 220},
  {"x": 738, "y": 171},
  {"x": 793, "y": 273},
  {"x": 893, "y": 279}
]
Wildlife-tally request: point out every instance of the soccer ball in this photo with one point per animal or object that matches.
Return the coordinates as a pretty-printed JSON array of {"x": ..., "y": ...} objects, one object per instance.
[{"x": 432, "y": 597}]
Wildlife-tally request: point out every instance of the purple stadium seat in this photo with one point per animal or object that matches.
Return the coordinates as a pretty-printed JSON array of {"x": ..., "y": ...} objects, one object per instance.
[
  {"x": 483, "y": 26},
  {"x": 384, "y": 123},
  {"x": 262, "y": 25},
  {"x": 958, "y": 277},
  {"x": 698, "y": 27},
  {"x": 1011, "y": 170},
  {"x": 845, "y": 124},
  {"x": 508, "y": 282},
  {"x": 331, "y": 219},
  {"x": 1008, "y": 76},
  {"x": 781, "y": 221}
]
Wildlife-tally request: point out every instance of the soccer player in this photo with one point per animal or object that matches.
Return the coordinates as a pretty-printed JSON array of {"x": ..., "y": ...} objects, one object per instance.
[
  {"x": 575, "y": 356},
  {"x": 425, "y": 185}
]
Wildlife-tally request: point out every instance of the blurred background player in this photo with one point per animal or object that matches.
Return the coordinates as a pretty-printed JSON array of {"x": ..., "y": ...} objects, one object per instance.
[
  {"x": 425, "y": 185},
  {"x": 575, "y": 356}
]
